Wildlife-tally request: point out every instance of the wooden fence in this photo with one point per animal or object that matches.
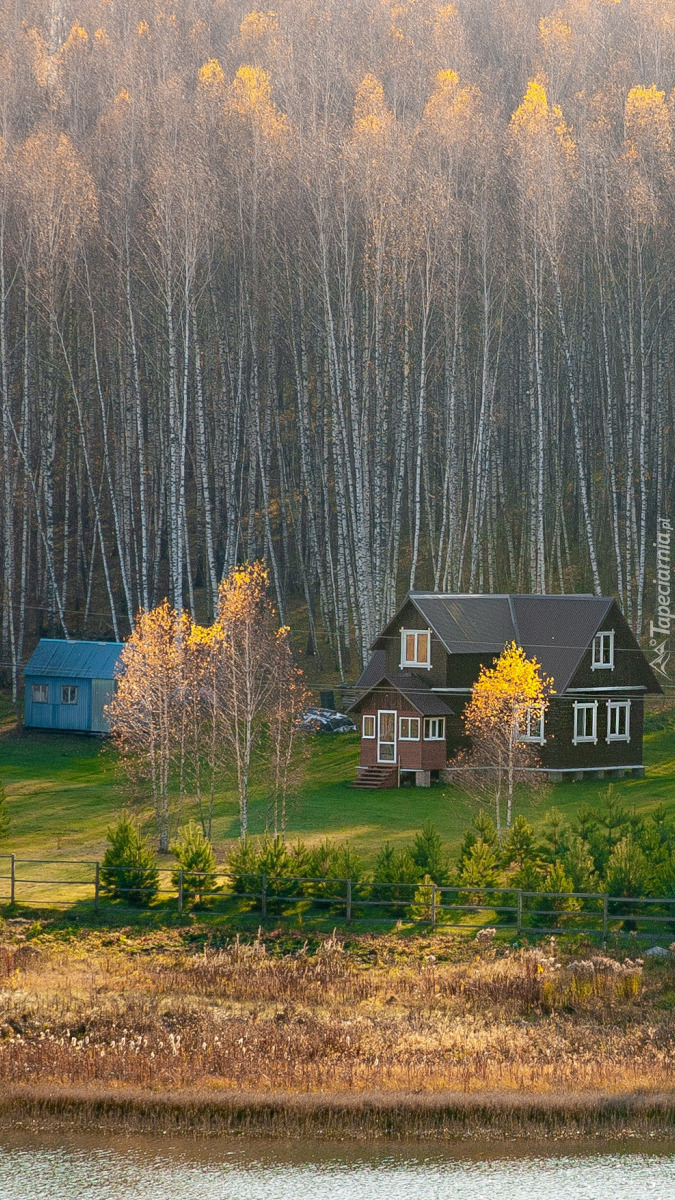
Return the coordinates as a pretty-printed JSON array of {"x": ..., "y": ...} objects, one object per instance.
[{"x": 39, "y": 883}]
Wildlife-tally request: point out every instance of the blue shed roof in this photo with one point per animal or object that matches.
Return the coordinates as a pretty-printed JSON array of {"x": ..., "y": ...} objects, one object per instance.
[{"x": 79, "y": 660}]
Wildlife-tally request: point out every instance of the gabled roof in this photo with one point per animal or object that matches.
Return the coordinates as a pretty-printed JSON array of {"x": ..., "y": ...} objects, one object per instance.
[
  {"x": 77, "y": 660},
  {"x": 555, "y": 629},
  {"x": 416, "y": 691}
]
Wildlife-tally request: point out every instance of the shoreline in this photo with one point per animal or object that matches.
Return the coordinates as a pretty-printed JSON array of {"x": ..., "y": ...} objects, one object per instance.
[{"x": 480, "y": 1116}]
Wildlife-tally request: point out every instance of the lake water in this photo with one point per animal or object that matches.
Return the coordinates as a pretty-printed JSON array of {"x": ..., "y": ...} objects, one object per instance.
[{"x": 52, "y": 1168}]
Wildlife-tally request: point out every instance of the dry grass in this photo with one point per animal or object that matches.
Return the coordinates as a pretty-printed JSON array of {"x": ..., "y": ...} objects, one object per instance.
[{"x": 409, "y": 1021}]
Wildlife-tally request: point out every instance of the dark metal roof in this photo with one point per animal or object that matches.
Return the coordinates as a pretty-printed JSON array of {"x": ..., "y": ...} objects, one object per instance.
[
  {"x": 374, "y": 670},
  {"x": 467, "y": 627},
  {"x": 76, "y": 660},
  {"x": 555, "y": 629},
  {"x": 415, "y": 690}
]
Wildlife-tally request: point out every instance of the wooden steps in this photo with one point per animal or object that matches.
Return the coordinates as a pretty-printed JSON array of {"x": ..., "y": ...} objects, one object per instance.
[{"x": 376, "y": 777}]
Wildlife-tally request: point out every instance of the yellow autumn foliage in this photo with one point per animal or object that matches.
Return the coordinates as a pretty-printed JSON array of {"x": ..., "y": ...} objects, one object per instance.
[
  {"x": 78, "y": 36},
  {"x": 211, "y": 74},
  {"x": 250, "y": 96},
  {"x": 257, "y": 25},
  {"x": 59, "y": 190},
  {"x": 539, "y": 126},
  {"x": 504, "y": 692},
  {"x": 555, "y": 33},
  {"x": 371, "y": 114},
  {"x": 649, "y": 120},
  {"x": 450, "y": 110}
]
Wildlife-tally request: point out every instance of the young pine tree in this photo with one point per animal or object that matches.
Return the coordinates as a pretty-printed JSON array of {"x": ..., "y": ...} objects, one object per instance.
[
  {"x": 194, "y": 856},
  {"x": 129, "y": 867}
]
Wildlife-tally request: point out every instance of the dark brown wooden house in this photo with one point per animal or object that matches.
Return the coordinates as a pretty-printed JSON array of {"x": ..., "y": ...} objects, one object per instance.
[{"x": 413, "y": 691}]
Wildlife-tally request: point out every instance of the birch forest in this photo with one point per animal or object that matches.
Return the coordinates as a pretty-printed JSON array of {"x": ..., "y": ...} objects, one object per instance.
[{"x": 378, "y": 291}]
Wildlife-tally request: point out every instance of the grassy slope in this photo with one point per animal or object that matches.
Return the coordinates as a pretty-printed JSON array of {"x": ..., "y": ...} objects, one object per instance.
[{"x": 62, "y": 794}]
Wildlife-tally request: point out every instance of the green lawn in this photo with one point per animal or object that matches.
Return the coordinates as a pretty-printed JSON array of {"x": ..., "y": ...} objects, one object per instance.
[{"x": 62, "y": 793}]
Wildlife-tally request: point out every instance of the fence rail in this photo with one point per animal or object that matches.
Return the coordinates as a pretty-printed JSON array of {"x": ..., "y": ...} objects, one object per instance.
[{"x": 462, "y": 907}]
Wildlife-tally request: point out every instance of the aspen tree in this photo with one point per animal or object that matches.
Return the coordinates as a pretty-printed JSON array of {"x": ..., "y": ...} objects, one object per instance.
[{"x": 503, "y": 699}]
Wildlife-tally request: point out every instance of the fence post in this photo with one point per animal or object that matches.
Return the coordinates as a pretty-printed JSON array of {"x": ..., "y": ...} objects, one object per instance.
[
  {"x": 348, "y": 907},
  {"x": 605, "y": 907},
  {"x": 97, "y": 878},
  {"x": 263, "y": 896},
  {"x": 12, "y": 883},
  {"x": 519, "y": 918},
  {"x": 180, "y": 890},
  {"x": 433, "y": 904}
]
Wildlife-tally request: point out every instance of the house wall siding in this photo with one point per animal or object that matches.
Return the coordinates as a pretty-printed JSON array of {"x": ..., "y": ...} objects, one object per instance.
[
  {"x": 411, "y": 756},
  {"x": 560, "y": 752},
  {"x": 411, "y": 619},
  {"x": 54, "y": 714},
  {"x": 102, "y": 690}
]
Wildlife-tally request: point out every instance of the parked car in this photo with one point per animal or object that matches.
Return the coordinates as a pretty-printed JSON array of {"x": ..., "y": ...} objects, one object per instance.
[{"x": 326, "y": 720}]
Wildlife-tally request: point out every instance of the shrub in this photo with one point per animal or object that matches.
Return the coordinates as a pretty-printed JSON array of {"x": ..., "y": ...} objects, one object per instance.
[
  {"x": 519, "y": 847},
  {"x": 578, "y": 863},
  {"x": 527, "y": 878},
  {"x": 282, "y": 864},
  {"x": 627, "y": 869},
  {"x": 420, "y": 909},
  {"x": 480, "y": 867},
  {"x": 558, "y": 881},
  {"x": 483, "y": 828},
  {"x": 332, "y": 862},
  {"x": 428, "y": 855},
  {"x": 242, "y": 867},
  {"x": 480, "y": 871},
  {"x": 394, "y": 875},
  {"x": 555, "y": 835},
  {"x": 194, "y": 855},
  {"x": 129, "y": 867}
]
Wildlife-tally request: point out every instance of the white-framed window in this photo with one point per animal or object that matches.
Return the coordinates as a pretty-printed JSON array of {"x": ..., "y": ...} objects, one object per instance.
[
  {"x": 618, "y": 720},
  {"x": 585, "y": 721},
  {"x": 368, "y": 727},
  {"x": 530, "y": 725},
  {"x": 603, "y": 651},
  {"x": 409, "y": 729},
  {"x": 40, "y": 693},
  {"x": 68, "y": 694},
  {"x": 434, "y": 729},
  {"x": 415, "y": 648}
]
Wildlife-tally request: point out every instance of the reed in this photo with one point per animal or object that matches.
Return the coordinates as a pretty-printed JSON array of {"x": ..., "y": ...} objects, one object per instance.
[
  {"x": 383, "y": 1031},
  {"x": 366, "y": 1115}
]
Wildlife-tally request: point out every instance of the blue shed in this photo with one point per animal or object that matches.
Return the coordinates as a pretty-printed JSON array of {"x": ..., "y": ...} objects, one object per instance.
[{"x": 68, "y": 684}]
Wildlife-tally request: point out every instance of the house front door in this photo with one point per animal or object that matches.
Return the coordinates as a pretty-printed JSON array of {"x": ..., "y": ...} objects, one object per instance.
[{"x": 386, "y": 736}]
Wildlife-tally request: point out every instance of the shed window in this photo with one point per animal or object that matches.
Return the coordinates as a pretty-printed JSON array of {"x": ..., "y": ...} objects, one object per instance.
[
  {"x": 530, "y": 725},
  {"x": 68, "y": 694},
  {"x": 409, "y": 729},
  {"x": 40, "y": 693},
  {"x": 618, "y": 720},
  {"x": 585, "y": 722},
  {"x": 415, "y": 648},
  {"x": 368, "y": 727},
  {"x": 434, "y": 729},
  {"x": 603, "y": 651}
]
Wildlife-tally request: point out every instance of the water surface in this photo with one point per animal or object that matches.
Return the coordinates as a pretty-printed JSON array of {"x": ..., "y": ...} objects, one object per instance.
[{"x": 84, "y": 1168}]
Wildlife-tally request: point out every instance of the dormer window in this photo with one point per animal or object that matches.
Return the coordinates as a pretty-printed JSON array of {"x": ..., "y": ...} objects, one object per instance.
[
  {"x": 603, "y": 651},
  {"x": 415, "y": 648}
]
